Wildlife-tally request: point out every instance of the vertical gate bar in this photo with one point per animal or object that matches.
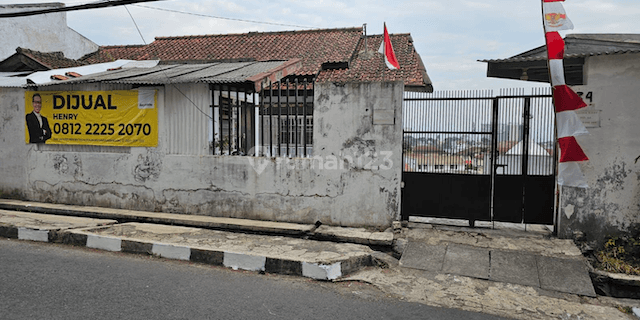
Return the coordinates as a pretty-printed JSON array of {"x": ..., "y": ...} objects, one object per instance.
[
  {"x": 229, "y": 120},
  {"x": 419, "y": 115},
  {"x": 220, "y": 107},
  {"x": 297, "y": 127},
  {"x": 556, "y": 217},
  {"x": 494, "y": 153},
  {"x": 261, "y": 115},
  {"x": 423, "y": 105},
  {"x": 271, "y": 154},
  {"x": 304, "y": 115},
  {"x": 405, "y": 147},
  {"x": 416, "y": 116},
  {"x": 287, "y": 153},
  {"x": 213, "y": 118},
  {"x": 237, "y": 120},
  {"x": 279, "y": 125},
  {"x": 245, "y": 123},
  {"x": 525, "y": 152}
]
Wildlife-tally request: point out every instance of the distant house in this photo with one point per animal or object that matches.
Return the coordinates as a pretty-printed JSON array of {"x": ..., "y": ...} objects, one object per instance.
[
  {"x": 26, "y": 60},
  {"x": 439, "y": 163},
  {"x": 44, "y": 33},
  {"x": 603, "y": 70},
  {"x": 428, "y": 149},
  {"x": 539, "y": 161}
]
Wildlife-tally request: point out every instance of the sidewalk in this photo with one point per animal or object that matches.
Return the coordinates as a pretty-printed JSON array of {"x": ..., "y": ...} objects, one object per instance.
[
  {"x": 503, "y": 272},
  {"x": 254, "y": 251}
]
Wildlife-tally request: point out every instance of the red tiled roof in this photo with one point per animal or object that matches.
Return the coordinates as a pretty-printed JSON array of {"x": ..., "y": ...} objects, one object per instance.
[
  {"x": 50, "y": 60},
  {"x": 338, "y": 47},
  {"x": 369, "y": 65},
  {"x": 313, "y": 47},
  {"x": 113, "y": 53}
]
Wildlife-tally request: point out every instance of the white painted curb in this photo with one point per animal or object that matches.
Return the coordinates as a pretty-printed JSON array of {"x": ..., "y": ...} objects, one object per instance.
[
  {"x": 321, "y": 271},
  {"x": 104, "y": 243},
  {"x": 33, "y": 235},
  {"x": 171, "y": 251},
  {"x": 243, "y": 261}
]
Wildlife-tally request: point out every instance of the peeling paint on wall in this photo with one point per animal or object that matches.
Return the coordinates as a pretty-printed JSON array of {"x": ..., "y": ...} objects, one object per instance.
[{"x": 65, "y": 167}]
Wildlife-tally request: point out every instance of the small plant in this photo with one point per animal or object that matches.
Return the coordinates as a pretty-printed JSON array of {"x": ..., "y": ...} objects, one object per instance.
[
  {"x": 620, "y": 255},
  {"x": 625, "y": 309}
]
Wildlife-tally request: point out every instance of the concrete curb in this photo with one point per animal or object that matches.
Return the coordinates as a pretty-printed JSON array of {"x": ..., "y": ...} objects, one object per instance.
[
  {"x": 21, "y": 233},
  {"x": 233, "y": 260},
  {"x": 231, "y": 224},
  {"x": 237, "y": 261},
  {"x": 335, "y": 234}
]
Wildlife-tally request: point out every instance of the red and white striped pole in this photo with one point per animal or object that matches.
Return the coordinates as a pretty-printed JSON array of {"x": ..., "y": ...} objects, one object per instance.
[{"x": 565, "y": 100}]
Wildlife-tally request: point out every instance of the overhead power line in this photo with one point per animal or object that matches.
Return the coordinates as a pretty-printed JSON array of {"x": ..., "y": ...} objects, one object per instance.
[
  {"x": 93, "y": 5},
  {"x": 224, "y": 18}
]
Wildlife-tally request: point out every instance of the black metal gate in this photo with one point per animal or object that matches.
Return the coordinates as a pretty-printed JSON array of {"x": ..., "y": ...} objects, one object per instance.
[{"x": 474, "y": 156}]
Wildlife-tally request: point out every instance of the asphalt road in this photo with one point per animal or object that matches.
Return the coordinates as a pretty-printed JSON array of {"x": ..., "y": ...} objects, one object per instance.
[{"x": 49, "y": 281}]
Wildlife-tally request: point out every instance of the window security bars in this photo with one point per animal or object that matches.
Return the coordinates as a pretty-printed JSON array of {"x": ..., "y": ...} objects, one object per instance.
[{"x": 277, "y": 121}]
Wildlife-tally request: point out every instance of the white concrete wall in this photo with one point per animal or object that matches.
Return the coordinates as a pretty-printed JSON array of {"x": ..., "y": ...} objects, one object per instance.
[
  {"x": 611, "y": 204},
  {"x": 13, "y": 150},
  {"x": 353, "y": 180},
  {"x": 46, "y": 33}
]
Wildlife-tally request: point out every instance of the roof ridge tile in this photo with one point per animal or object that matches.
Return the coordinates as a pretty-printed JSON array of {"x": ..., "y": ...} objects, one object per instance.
[{"x": 262, "y": 33}]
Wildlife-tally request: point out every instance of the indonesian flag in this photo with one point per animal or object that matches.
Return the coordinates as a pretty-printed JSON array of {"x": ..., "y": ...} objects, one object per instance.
[
  {"x": 387, "y": 50},
  {"x": 566, "y": 101},
  {"x": 555, "y": 18}
]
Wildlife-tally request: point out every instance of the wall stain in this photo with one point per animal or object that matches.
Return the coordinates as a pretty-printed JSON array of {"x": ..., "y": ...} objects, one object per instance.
[
  {"x": 593, "y": 213},
  {"x": 148, "y": 168}
]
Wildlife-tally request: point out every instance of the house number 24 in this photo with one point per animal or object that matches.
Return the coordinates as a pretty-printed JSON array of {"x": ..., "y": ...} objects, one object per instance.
[{"x": 589, "y": 96}]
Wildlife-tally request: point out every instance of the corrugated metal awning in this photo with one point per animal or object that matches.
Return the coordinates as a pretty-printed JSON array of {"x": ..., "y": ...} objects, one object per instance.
[{"x": 247, "y": 74}]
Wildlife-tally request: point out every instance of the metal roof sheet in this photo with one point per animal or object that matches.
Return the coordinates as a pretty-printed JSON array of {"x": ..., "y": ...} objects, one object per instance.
[
  {"x": 583, "y": 45},
  {"x": 218, "y": 72}
]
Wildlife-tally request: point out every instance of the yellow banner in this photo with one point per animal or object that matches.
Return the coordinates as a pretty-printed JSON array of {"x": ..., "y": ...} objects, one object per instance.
[{"x": 127, "y": 118}]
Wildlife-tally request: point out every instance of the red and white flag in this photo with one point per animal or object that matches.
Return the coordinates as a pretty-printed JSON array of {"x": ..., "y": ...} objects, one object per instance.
[
  {"x": 566, "y": 101},
  {"x": 387, "y": 50},
  {"x": 555, "y": 18}
]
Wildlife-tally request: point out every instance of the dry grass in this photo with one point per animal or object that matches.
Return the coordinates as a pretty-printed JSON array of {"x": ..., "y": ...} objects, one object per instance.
[{"x": 620, "y": 255}]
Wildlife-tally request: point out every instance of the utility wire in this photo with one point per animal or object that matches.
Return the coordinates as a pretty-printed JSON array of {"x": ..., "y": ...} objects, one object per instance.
[
  {"x": 93, "y": 5},
  {"x": 164, "y": 71},
  {"x": 224, "y": 18}
]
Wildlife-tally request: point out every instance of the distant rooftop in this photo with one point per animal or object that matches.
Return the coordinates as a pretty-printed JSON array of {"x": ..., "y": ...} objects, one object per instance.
[{"x": 532, "y": 65}]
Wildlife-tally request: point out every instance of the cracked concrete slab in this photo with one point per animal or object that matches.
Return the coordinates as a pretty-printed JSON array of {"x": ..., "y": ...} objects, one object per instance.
[
  {"x": 355, "y": 235},
  {"x": 478, "y": 295},
  {"x": 422, "y": 256},
  {"x": 467, "y": 261},
  {"x": 514, "y": 267},
  {"x": 566, "y": 275},
  {"x": 533, "y": 243}
]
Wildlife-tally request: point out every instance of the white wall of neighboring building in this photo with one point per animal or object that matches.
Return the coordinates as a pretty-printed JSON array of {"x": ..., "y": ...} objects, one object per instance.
[
  {"x": 45, "y": 32},
  {"x": 611, "y": 204}
]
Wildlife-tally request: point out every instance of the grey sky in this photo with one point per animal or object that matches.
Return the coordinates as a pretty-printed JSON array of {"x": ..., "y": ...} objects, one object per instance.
[{"x": 449, "y": 35}]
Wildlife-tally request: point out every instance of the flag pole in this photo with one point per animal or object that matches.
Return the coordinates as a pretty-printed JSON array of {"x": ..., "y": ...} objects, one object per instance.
[{"x": 556, "y": 190}]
